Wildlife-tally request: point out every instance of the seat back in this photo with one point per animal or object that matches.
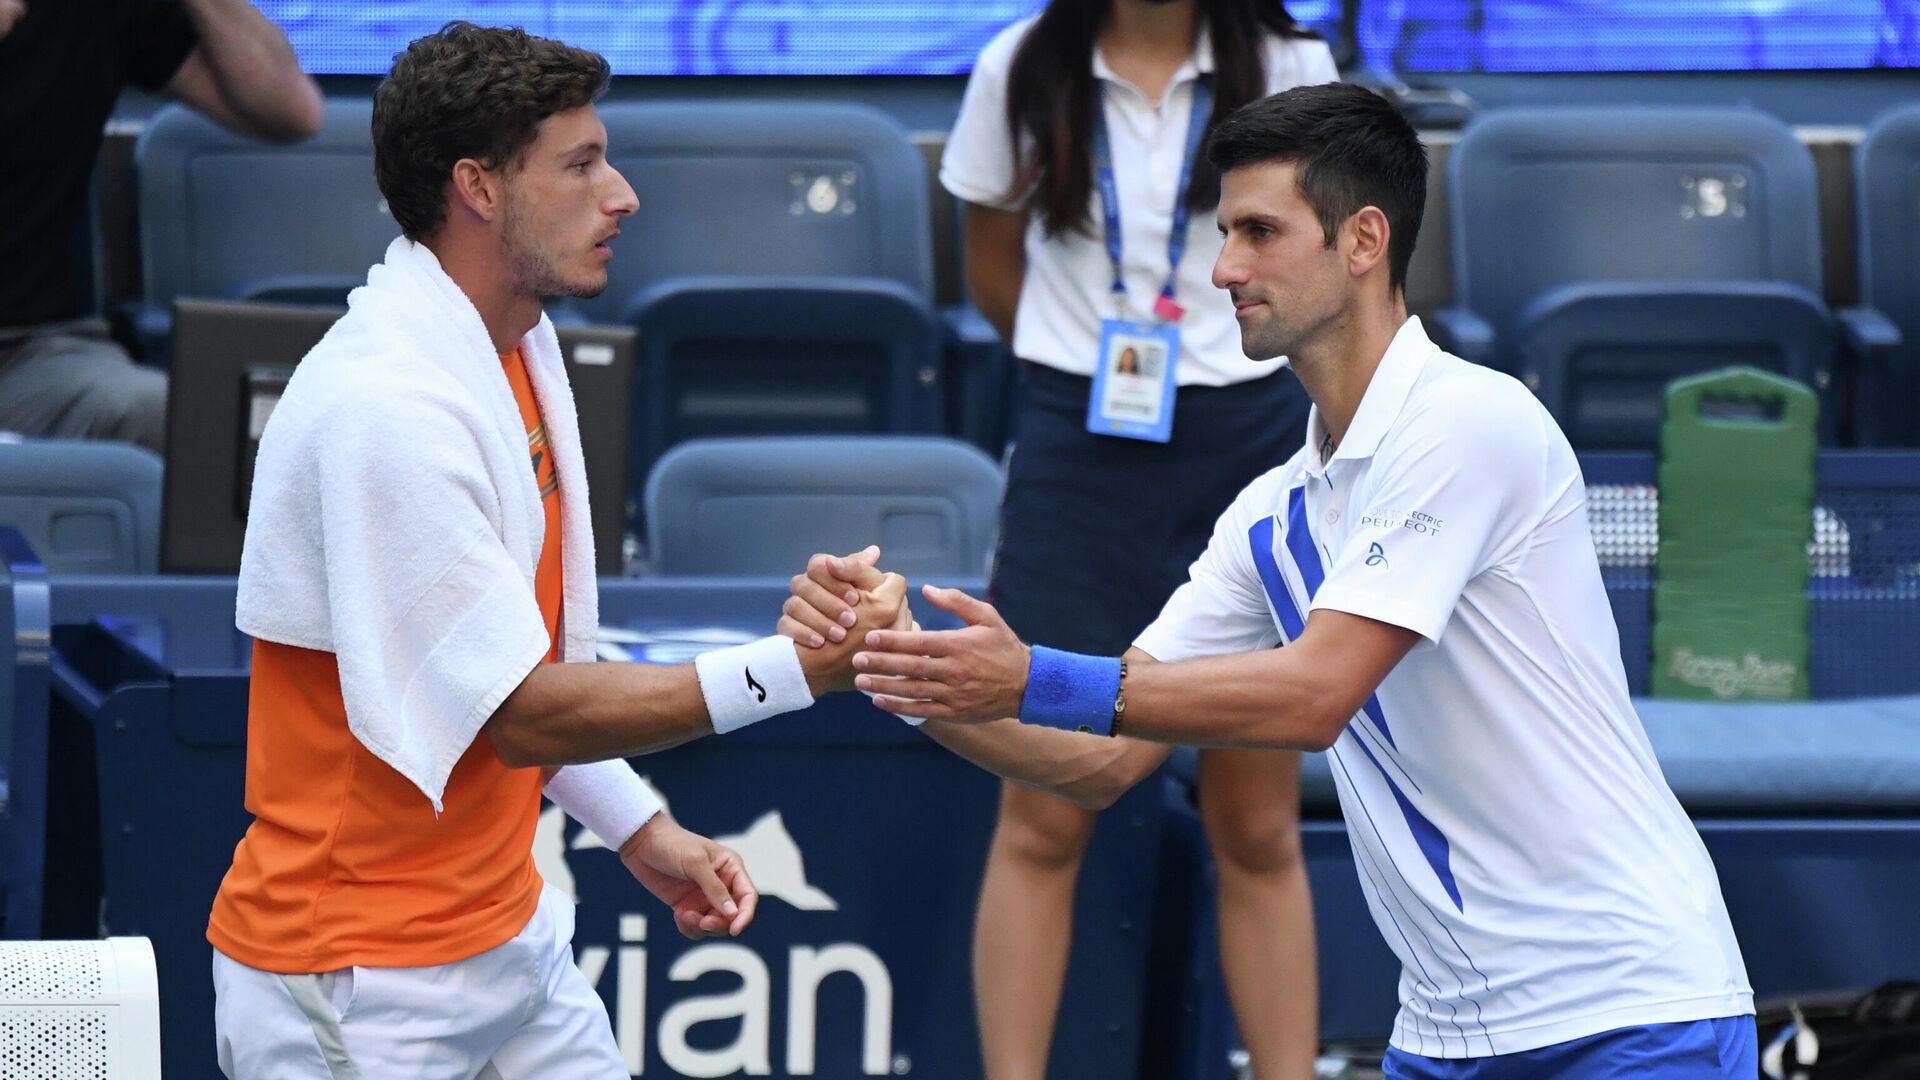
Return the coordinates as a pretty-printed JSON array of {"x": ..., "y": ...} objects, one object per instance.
[
  {"x": 1601, "y": 356},
  {"x": 1552, "y": 197},
  {"x": 762, "y": 506},
  {"x": 726, "y": 357},
  {"x": 25, "y": 630},
  {"x": 86, "y": 507},
  {"x": 805, "y": 189},
  {"x": 225, "y": 216},
  {"x": 1887, "y": 202}
]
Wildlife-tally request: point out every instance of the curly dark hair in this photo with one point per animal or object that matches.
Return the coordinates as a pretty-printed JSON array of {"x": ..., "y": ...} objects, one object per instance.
[{"x": 468, "y": 91}]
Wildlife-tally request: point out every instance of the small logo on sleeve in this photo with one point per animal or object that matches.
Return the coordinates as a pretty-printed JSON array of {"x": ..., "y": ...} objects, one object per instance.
[
  {"x": 760, "y": 692},
  {"x": 1376, "y": 555}
]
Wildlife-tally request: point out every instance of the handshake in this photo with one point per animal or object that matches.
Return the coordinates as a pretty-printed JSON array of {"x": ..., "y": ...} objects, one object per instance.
[{"x": 855, "y": 630}]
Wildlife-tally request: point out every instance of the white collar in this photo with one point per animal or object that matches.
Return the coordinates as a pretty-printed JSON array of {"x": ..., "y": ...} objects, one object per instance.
[
  {"x": 1380, "y": 405},
  {"x": 1196, "y": 65}
]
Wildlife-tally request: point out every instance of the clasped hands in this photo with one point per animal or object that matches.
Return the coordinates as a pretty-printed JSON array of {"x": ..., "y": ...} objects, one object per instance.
[{"x": 845, "y": 608}]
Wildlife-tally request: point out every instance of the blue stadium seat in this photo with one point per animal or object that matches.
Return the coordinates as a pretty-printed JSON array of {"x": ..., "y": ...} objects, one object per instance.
[
  {"x": 764, "y": 188},
  {"x": 762, "y": 506},
  {"x": 25, "y": 629},
  {"x": 1601, "y": 355},
  {"x": 779, "y": 270},
  {"x": 1571, "y": 225},
  {"x": 724, "y": 356},
  {"x": 86, "y": 507},
  {"x": 1885, "y": 330},
  {"x": 225, "y": 217}
]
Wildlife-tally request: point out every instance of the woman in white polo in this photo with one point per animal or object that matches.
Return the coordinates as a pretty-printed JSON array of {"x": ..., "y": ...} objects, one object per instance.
[{"x": 1089, "y": 238}]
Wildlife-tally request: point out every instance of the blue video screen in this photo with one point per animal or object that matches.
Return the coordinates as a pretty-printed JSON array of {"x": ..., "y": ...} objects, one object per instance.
[
  {"x": 692, "y": 37},
  {"x": 1637, "y": 35},
  {"x": 942, "y": 37}
]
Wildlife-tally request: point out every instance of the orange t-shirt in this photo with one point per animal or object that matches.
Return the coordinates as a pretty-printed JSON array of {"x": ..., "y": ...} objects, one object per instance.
[{"x": 345, "y": 862}]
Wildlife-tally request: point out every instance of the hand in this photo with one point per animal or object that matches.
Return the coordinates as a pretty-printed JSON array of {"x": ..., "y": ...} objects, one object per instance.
[
  {"x": 823, "y": 601},
  {"x": 829, "y": 666},
  {"x": 972, "y": 675},
  {"x": 704, "y": 883}
]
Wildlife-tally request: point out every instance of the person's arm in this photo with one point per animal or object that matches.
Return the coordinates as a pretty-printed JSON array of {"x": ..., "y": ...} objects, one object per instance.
[
  {"x": 705, "y": 883},
  {"x": 1295, "y": 698},
  {"x": 244, "y": 74},
  {"x": 1465, "y": 465},
  {"x": 996, "y": 263},
  {"x": 979, "y": 167},
  {"x": 562, "y": 714},
  {"x": 1090, "y": 772}
]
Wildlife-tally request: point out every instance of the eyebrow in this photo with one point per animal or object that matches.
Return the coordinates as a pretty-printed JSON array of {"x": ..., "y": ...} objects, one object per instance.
[
  {"x": 1244, "y": 220},
  {"x": 592, "y": 146}
]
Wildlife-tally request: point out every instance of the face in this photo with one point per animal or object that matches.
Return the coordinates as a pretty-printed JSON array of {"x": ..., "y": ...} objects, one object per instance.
[
  {"x": 1287, "y": 285},
  {"x": 563, "y": 205}
]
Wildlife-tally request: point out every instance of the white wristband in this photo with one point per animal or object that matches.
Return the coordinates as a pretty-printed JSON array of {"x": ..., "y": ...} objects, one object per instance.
[
  {"x": 748, "y": 683},
  {"x": 608, "y": 797}
]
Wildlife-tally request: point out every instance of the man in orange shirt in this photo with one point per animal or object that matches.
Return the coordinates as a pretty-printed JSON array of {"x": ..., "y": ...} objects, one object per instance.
[{"x": 418, "y": 579}]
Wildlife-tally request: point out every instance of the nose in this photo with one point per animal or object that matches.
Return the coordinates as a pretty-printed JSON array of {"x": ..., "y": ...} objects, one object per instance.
[
  {"x": 1230, "y": 268},
  {"x": 624, "y": 201}
]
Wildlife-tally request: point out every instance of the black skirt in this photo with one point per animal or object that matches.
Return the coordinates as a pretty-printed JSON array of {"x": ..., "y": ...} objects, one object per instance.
[{"x": 1095, "y": 531}]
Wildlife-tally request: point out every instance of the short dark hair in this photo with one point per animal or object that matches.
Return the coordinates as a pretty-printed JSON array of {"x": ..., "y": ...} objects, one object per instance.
[
  {"x": 468, "y": 91},
  {"x": 1353, "y": 149}
]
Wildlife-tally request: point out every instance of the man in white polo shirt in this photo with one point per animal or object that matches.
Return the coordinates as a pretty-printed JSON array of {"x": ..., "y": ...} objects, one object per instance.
[{"x": 1425, "y": 561}]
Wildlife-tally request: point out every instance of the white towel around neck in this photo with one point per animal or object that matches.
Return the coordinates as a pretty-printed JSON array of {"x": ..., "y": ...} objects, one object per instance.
[{"x": 396, "y": 521}]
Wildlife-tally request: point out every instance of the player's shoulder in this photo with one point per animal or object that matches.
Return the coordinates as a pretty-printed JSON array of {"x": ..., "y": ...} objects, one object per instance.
[
  {"x": 346, "y": 386},
  {"x": 1469, "y": 406}
]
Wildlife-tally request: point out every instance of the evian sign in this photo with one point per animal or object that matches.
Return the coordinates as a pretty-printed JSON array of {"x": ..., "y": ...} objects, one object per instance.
[{"x": 773, "y": 858}]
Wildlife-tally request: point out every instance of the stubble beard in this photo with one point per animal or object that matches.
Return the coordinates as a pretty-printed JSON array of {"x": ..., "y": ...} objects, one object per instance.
[{"x": 533, "y": 272}]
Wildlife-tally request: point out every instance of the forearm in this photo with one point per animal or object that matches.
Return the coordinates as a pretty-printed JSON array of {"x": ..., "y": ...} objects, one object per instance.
[
  {"x": 1089, "y": 771},
  {"x": 562, "y": 714},
  {"x": 255, "y": 68},
  {"x": 1278, "y": 699},
  {"x": 996, "y": 263}
]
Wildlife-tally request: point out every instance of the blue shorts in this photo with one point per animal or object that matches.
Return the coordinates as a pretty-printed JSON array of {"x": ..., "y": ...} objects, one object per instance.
[{"x": 1724, "y": 1049}]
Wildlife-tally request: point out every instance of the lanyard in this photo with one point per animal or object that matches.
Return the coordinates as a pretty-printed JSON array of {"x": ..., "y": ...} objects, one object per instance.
[{"x": 1110, "y": 194}]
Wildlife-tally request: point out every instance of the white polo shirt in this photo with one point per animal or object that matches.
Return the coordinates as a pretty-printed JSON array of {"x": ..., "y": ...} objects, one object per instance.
[
  {"x": 1518, "y": 846},
  {"x": 1067, "y": 290}
]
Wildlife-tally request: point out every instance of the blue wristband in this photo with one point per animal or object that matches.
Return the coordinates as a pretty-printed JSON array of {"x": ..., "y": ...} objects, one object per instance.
[{"x": 1070, "y": 691}]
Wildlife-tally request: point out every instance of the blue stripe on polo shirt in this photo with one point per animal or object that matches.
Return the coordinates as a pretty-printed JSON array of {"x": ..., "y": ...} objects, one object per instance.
[{"x": 1427, "y": 836}]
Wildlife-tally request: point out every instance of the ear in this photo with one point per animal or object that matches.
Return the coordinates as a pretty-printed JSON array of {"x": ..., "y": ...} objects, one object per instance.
[
  {"x": 476, "y": 188},
  {"x": 1368, "y": 234}
]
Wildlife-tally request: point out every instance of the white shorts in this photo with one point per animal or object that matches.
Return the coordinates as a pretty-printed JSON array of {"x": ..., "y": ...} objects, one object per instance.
[{"x": 519, "y": 1010}]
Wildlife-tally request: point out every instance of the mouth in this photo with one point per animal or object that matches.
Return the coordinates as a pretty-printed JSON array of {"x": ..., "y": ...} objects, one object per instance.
[
  {"x": 604, "y": 246},
  {"x": 1242, "y": 307}
]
